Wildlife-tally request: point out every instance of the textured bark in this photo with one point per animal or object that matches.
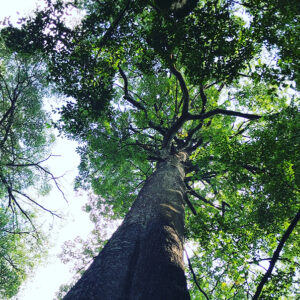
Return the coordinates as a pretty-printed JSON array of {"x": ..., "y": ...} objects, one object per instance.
[{"x": 144, "y": 257}]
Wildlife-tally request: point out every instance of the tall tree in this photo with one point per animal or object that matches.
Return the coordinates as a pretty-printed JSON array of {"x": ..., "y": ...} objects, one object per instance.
[{"x": 197, "y": 101}]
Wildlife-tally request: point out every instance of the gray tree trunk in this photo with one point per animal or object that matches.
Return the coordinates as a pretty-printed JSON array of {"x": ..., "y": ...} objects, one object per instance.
[{"x": 143, "y": 260}]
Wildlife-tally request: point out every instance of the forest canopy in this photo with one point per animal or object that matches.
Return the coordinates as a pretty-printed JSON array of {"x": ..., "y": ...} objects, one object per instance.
[{"x": 213, "y": 83}]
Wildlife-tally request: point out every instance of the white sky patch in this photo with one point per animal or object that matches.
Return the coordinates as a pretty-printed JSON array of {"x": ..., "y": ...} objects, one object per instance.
[
  {"x": 241, "y": 12},
  {"x": 18, "y": 8}
]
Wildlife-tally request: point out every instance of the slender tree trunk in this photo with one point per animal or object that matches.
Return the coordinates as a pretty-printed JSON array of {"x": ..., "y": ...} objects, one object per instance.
[{"x": 144, "y": 257}]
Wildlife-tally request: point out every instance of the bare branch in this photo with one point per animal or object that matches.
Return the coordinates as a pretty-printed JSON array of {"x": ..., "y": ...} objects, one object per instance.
[
  {"x": 38, "y": 166},
  {"x": 13, "y": 198},
  {"x": 31, "y": 164},
  {"x": 36, "y": 203},
  {"x": 54, "y": 179},
  {"x": 194, "y": 276},
  {"x": 276, "y": 256}
]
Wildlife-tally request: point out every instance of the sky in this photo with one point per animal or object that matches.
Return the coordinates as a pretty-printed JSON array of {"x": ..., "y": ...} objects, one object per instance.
[{"x": 48, "y": 276}]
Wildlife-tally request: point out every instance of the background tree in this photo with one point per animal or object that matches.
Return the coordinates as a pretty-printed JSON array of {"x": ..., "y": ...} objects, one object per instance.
[
  {"x": 200, "y": 106},
  {"x": 25, "y": 142}
]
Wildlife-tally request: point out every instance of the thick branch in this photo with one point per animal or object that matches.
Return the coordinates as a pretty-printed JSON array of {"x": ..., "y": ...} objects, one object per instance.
[
  {"x": 256, "y": 261},
  {"x": 190, "y": 205},
  {"x": 276, "y": 255},
  {"x": 191, "y": 133},
  {"x": 225, "y": 112},
  {"x": 140, "y": 131},
  {"x": 204, "y": 100},
  {"x": 241, "y": 130},
  {"x": 185, "y": 92},
  {"x": 9, "y": 112},
  {"x": 9, "y": 124},
  {"x": 15, "y": 232},
  {"x": 195, "y": 144},
  {"x": 184, "y": 113}
]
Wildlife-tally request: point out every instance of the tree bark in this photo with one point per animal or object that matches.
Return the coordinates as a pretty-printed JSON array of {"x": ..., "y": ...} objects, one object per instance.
[{"x": 144, "y": 257}]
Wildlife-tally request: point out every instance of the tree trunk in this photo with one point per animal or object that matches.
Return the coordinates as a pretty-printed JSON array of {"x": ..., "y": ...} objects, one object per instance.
[{"x": 144, "y": 257}]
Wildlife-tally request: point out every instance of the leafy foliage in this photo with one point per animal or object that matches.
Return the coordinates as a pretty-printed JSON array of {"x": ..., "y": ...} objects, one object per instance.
[
  {"x": 20, "y": 251},
  {"x": 257, "y": 178}
]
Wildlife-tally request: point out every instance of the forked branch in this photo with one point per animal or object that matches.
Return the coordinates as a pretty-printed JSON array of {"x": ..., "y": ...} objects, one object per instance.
[{"x": 137, "y": 104}]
